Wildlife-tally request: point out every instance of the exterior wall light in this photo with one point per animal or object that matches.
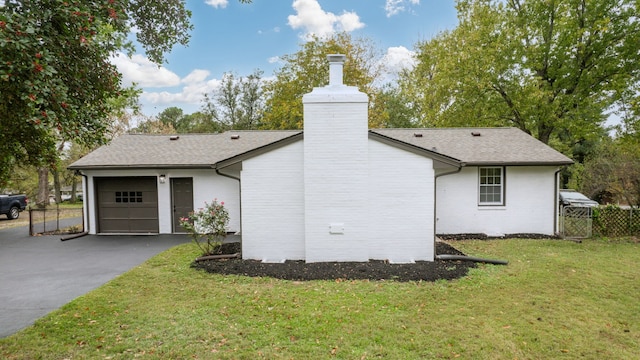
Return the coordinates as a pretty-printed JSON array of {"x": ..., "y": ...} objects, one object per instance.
[{"x": 162, "y": 179}]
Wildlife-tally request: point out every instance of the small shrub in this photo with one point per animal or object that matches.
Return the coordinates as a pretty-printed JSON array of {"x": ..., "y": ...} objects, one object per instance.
[
  {"x": 73, "y": 229},
  {"x": 207, "y": 226}
]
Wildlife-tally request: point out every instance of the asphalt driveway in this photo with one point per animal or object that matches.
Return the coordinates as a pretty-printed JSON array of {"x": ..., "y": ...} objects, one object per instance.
[{"x": 40, "y": 274}]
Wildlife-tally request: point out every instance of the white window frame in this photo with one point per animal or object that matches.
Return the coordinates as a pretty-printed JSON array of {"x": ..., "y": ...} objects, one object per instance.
[{"x": 487, "y": 181}]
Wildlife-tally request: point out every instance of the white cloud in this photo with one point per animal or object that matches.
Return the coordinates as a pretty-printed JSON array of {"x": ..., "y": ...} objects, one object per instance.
[
  {"x": 398, "y": 58},
  {"x": 275, "y": 30},
  {"x": 146, "y": 74},
  {"x": 395, "y": 60},
  {"x": 394, "y": 7},
  {"x": 273, "y": 60},
  {"x": 140, "y": 70},
  {"x": 217, "y": 3},
  {"x": 313, "y": 20},
  {"x": 196, "y": 76},
  {"x": 192, "y": 93}
]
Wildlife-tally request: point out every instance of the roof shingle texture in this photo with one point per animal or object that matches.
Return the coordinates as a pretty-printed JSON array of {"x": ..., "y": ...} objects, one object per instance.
[
  {"x": 493, "y": 146},
  {"x": 188, "y": 151},
  {"x": 490, "y": 146}
]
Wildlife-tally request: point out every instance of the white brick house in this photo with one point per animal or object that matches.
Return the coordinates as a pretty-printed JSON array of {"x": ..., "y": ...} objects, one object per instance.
[{"x": 334, "y": 192}]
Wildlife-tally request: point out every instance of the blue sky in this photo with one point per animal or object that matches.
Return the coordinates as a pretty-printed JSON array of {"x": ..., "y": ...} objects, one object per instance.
[{"x": 233, "y": 37}]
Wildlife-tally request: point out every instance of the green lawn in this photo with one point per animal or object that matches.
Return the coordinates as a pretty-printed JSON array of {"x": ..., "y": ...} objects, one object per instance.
[{"x": 556, "y": 299}]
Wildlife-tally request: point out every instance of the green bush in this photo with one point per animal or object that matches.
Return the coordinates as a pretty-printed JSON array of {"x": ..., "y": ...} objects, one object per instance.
[{"x": 207, "y": 226}]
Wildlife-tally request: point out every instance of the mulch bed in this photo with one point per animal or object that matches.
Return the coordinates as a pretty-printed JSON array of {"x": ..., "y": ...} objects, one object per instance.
[{"x": 372, "y": 270}]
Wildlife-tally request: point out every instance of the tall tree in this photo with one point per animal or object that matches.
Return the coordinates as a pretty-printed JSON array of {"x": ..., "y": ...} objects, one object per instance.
[
  {"x": 237, "y": 103},
  {"x": 542, "y": 66},
  {"x": 56, "y": 78},
  {"x": 392, "y": 107},
  {"x": 199, "y": 122},
  {"x": 151, "y": 125},
  {"x": 308, "y": 68},
  {"x": 171, "y": 116},
  {"x": 612, "y": 174}
]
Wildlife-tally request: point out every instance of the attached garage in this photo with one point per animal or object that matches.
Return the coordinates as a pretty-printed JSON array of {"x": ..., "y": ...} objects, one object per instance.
[{"x": 127, "y": 204}]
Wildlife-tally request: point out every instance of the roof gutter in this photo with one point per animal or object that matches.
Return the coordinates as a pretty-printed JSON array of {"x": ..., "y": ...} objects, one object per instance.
[{"x": 147, "y": 166}]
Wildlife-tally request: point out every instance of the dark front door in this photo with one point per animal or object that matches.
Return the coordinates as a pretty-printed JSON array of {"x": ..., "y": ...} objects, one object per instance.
[{"x": 181, "y": 200}]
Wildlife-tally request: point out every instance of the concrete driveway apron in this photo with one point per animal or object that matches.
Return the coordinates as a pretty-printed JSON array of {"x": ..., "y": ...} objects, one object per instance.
[{"x": 40, "y": 274}]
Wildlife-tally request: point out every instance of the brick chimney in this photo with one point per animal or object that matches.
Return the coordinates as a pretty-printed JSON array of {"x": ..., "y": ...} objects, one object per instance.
[{"x": 336, "y": 169}]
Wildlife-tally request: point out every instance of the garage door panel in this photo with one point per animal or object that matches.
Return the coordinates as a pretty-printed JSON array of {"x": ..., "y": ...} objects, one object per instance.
[
  {"x": 127, "y": 205},
  {"x": 142, "y": 213},
  {"x": 146, "y": 226},
  {"x": 115, "y": 225}
]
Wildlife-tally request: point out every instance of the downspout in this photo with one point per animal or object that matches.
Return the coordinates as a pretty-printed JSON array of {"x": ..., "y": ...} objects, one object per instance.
[
  {"x": 239, "y": 190},
  {"x": 85, "y": 205},
  {"x": 435, "y": 202},
  {"x": 555, "y": 202},
  {"x": 471, "y": 258}
]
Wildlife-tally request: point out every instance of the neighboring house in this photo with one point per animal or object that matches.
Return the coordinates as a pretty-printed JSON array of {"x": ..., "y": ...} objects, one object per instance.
[{"x": 335, "y": 192}]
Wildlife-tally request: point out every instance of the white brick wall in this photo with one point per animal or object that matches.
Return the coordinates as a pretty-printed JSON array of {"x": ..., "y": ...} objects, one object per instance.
[
  {"x": 401, "y": 205},
  {"x": 273, "y": 205},
  {"x": 336, "y": 175},
  {"x": 529, "y": 208}
]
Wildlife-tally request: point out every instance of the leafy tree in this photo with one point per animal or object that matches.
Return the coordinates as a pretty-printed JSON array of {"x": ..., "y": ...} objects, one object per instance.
[
  {"x": 308, "y": 68},
  {"x": 543, "y": 66},
  {"x": 71, "y": 178},
  {"x": 56, "y": 81},
  {"x": 629, "y": 112},
  {"x": 151, "y": 125},
  {"x": 612, "y": 174},
  {"x": 22, "y": 181},
  {"x": 171, "y": 116},
  {"x": 199, "y": 122},
  {"x": 392, "y": 108},
  {"x": 237, "y": 103}
]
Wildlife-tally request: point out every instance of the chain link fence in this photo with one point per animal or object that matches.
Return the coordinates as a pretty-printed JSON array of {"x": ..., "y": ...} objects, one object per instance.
[{"x": 55, "y": 220}]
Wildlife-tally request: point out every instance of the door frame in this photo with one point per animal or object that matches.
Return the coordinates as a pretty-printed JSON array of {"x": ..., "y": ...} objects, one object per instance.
[{"x": 173, "y": 202}]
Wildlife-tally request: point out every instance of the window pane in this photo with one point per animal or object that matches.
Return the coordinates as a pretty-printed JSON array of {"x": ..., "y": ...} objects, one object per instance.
[{"x": 490, "y": 187}]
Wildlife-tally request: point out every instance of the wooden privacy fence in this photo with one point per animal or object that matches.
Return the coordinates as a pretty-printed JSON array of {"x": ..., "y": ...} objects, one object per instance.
[
  {"x": 55, "y": 220},
  {"x": 614, "y": 221}
]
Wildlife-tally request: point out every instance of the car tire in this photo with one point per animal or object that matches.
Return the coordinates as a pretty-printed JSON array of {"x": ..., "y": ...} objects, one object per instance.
[{"x": 13, "y": 213}]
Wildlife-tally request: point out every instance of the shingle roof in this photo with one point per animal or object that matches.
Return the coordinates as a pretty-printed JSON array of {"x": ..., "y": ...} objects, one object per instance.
[
  {"x": 187, "y": 151},
  {"x": 481, "y": 146},
  {"x": 493, "y": 146}
]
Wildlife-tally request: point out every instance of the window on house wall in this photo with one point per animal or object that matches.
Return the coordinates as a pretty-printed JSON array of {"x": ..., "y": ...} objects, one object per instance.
[{"x": 491, "y": 189}]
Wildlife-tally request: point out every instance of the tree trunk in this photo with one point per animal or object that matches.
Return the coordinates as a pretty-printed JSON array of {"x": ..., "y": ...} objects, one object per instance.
[
  {"x": 74, "y": 187},
  {"x": 56, "y": 185},
  {"x": 43, "y": 187}
]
